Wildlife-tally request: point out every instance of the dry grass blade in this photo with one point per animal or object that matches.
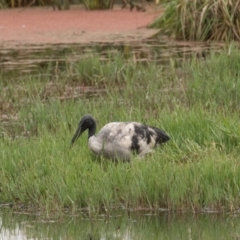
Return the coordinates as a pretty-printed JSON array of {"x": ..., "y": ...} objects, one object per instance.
[{"x": 202, "y": 19}]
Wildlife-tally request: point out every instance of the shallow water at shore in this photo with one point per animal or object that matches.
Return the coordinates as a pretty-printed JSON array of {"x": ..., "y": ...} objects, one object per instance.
[{"x": 122, "y": 225}]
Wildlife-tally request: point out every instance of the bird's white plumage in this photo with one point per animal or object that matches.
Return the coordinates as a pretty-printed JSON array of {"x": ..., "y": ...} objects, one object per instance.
[
  {"x": 114, "y": 140},
  {"x": 119, "y": 140}
]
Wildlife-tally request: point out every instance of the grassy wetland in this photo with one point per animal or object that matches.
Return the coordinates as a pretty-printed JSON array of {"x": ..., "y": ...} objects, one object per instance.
[{"x": 196, "y": 104}]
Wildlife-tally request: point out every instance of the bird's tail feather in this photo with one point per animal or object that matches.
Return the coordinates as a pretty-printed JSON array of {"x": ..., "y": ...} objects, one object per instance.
[{"x": 162, "y": 136}]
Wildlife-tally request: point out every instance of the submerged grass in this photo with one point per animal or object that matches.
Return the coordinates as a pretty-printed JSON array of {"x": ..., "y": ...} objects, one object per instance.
[{"x": 198, "y": 169}]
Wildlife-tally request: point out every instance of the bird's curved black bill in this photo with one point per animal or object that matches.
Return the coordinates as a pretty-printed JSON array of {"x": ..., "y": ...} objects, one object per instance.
[{"x": 76, "y": 135}]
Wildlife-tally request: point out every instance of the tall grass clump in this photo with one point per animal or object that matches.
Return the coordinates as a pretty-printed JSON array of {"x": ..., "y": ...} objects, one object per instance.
[
  {"x": 95, "y": 71},
  {"x": 201, "y": 20},
  {"x": 3, "y": 4},
  {"x": 216, "y": 81},
  {"x": 56, "y": 4},
  {"x": 98, "y": 4},
  {"x": 196, "y": 170}
]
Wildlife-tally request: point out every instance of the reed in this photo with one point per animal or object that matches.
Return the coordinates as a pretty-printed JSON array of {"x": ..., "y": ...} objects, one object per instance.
[
  {"x": 56, "y": 4},
  {"x": 198, "y": 169},
  {"x": 98, "y": 4},
  {"x": 3, "y": 4},
  {"x": 200, "y": 20}
]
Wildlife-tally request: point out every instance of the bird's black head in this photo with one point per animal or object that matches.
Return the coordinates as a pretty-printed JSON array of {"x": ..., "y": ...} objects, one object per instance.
[{"x": 87, "y": 122}]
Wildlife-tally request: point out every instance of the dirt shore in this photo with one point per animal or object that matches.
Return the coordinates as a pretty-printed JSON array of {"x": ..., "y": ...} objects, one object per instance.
[{"x": 39, "y": 26}]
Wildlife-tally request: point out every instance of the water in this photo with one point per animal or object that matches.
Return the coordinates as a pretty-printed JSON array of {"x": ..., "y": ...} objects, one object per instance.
[
  {"x": 31, "y": 59},
  {"x": 124, "y": 226}
]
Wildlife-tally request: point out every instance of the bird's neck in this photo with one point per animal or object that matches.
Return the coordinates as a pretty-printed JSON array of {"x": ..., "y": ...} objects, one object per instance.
[{"x": 92, "y": 130}]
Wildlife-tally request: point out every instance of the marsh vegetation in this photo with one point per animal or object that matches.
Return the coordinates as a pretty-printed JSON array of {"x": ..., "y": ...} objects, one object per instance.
[
  {"x": 200, "y": 20},
  {"x": 196, "y": 102}
]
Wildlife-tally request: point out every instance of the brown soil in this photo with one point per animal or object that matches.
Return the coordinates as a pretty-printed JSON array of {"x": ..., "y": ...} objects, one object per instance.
[{"x": 45, "y": 26}]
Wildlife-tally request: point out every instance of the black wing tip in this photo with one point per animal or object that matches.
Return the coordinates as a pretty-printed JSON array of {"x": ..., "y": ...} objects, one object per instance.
[
  {"x": 165, "y": 137},
  {"x": 162, "y": 136}
]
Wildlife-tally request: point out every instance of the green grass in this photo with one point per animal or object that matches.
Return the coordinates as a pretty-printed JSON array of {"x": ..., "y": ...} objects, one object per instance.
[{"x": 198, "y": 168}]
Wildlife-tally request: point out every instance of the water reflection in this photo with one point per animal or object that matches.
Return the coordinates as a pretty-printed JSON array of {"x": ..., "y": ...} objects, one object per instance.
[
  {"x": 122, "y": 226},
  {"x": 30, "y": 59}
]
